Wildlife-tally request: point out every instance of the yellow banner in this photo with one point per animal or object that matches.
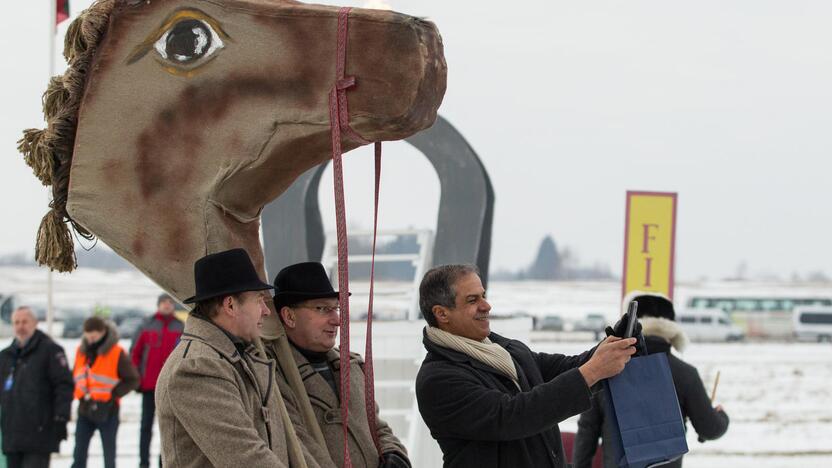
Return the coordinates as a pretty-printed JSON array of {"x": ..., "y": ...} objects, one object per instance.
[{"x": 649, "y": 242}]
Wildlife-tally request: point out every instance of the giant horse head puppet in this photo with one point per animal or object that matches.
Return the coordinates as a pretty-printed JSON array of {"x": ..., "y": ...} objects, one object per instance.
[{"x": 178, "y": 120}]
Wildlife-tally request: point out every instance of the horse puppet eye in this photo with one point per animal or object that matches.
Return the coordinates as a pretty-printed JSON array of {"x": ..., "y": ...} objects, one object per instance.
[
  {"x": 185, "y": 41},
  {"x": 188, "y": 41}
]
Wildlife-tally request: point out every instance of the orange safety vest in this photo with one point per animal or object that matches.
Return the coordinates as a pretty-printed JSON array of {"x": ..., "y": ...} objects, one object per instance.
[{"x": 99, "y": 380}]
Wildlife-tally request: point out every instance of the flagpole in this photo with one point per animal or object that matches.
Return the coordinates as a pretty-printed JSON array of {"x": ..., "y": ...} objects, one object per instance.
[{"x": 53, "y": 28}]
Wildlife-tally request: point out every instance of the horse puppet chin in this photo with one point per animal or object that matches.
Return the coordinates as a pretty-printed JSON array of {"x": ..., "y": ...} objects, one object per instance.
[{"x": 191, "y": 116}]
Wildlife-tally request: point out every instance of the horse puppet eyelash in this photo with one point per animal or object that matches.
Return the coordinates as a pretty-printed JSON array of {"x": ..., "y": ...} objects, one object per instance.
[{"x": 186, "y": 40}]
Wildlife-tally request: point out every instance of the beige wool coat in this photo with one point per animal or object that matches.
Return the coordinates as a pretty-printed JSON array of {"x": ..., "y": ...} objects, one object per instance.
[
  {"x": 325, "y": 404},
  {"x": 218, "y": 407}
]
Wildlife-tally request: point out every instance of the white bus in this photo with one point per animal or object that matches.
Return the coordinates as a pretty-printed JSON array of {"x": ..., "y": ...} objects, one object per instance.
[
  {"x": 760, "y": 315},
  {"x": 813, "y": 323}
]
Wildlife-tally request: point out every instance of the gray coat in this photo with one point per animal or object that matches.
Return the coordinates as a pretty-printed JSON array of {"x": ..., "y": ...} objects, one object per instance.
[
  {"x": 325, "y": 404},
  {"x": 219, "y": 406}
]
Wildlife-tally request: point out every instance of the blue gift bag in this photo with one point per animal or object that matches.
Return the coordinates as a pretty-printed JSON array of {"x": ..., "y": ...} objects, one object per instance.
[{"x": 644, "y": 414}]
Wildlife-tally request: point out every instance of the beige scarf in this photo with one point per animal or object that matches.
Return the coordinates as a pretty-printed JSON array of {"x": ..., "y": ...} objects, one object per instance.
[{"x": 486, "y": 352}]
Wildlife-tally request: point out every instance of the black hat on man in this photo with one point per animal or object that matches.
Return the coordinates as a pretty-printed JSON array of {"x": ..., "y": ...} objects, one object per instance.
[
  {"x": 300, "y": 282},
  {"x": 224, "y": 273}
]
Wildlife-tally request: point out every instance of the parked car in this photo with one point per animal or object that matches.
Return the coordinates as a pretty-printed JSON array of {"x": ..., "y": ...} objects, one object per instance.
[
  {"x": 73, "y": 325},
  {"x": 6, "y": 307},
  {"x": 550, "y": 323},
  {"x": 708, "y": 325},
  {"x": 120, "y": 314},
  {"x": 129, "y": 326},
  {"x": 595, "y": 323},
  {"x": 813, "y": 323}
]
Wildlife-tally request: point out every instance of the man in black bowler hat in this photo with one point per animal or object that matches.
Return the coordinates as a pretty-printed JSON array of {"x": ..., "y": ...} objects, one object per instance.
[
  {"x": 308, "y": 307},
  {"x": 215, "y": 396}
]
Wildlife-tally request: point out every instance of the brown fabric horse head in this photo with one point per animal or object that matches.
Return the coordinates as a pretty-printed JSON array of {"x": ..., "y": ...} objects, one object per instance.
[{"x": 178, "y": 120}]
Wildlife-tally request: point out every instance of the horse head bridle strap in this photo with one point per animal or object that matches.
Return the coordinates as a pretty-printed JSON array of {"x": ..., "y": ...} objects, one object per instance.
[{"x": 339, "y": 117}]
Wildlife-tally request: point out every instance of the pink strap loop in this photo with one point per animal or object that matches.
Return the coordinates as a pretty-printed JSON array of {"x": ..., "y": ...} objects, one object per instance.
[{"x": 339, "y": 121}]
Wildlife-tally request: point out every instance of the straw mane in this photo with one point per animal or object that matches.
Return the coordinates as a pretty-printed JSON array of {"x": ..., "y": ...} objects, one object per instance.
[{"x": 49, "y": 151}]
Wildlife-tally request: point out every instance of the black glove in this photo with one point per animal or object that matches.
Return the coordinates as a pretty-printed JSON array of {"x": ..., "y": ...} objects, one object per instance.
[
  {"x": 394, "y": 460},
  {"x": 620, "y": 328}
]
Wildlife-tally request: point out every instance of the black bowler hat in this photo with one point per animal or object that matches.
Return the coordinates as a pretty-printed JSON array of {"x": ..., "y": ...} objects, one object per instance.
[
  {"x": 300, "y": 282},
  {"x": 225, "y": 273}
]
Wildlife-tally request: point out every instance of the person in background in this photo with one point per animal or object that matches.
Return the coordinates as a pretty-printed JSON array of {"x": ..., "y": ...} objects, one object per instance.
[
  {"x": 36, "y": 396},
  {"x": 661, "y": 333},
  {"x": 103, "y": 374},
  {"x": 489, "y": 401},
  {"x": 308, "y": 308},
  {"x": 154, "y": 342}
]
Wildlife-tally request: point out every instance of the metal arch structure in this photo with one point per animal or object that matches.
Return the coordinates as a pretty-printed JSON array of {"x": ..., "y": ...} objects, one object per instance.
[{"x": 293, "y": 229}]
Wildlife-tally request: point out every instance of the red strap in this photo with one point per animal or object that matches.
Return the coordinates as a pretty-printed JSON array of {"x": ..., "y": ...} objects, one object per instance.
[
  {"x": 369, "y": 382},
  {"x": 339, "y": 121}
]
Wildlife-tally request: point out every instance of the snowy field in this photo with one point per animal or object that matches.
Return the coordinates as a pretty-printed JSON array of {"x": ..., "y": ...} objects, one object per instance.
[
  {"x": 778, "y": 395},
  {"x": 779, "y": 398}
]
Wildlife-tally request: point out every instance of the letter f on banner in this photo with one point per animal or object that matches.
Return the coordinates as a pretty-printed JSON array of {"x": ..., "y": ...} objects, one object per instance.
[
  {"x": 647, "y": 237},
  {"x": 649, "y": 242}
]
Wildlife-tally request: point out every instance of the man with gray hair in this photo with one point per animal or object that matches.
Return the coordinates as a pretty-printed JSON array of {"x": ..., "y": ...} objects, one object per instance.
[
  {"x": 490, "y": 401},
  {"x": 36, "y": 395}
]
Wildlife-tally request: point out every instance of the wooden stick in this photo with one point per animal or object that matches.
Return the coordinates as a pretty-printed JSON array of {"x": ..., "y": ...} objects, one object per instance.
[{"x": 716, "y": 382}]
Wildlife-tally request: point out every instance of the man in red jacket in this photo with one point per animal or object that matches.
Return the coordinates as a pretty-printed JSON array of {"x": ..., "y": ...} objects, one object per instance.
[{"x": 152, "y": 345}]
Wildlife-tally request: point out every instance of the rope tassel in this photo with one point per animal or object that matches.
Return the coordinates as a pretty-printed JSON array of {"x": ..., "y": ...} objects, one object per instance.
[
  {"x": 37, "y": 154},
  {"x": 54, "y": 246},
  {"x": 55, "y": 97}
]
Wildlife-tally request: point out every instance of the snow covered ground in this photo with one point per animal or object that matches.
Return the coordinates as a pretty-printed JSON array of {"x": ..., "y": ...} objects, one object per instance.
[
  {"x": 779, "y": 398},
  {"x": 778, "y": 395}
]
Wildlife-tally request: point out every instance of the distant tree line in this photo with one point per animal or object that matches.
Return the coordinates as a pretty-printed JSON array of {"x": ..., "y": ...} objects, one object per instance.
[
  {"x": 99, "y": 258},
  {"x": 551, "y": 264}
]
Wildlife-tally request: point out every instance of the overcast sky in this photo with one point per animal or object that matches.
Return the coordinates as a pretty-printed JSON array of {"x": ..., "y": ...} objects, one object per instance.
[{"x": 569, "y": 105}]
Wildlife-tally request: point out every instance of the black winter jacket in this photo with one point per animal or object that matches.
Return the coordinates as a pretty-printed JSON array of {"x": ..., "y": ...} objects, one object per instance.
[
  {"x": 693, "y": 401},
  {"x": 36, "y": 407},
  {"x": 482, "y": 420}
]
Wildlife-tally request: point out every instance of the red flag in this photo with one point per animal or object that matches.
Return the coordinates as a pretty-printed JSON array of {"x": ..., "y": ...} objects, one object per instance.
[{"x": 62, "y": 12}]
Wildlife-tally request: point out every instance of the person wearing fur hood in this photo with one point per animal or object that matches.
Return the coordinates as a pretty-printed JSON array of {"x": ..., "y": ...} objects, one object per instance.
[{"x": 661, "y": 333}]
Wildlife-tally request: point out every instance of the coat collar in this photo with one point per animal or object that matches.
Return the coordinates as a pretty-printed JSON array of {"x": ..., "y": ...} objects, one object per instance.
[
  {"x": 110, "y": 340},
  {"x": 30, "y": 345},
  {"x": 656, "y": 345},
  {"x": 257, "y": 367},
  {"x": 316, "y": 386},
  {"x": 456, "y": 356},
  {"x": 206, "y": 331},
  {"x": 165, "y": 319}
]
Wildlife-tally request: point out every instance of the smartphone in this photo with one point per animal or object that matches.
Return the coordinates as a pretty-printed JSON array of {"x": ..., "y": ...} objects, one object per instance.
[{"x": 631, "y": 319}]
